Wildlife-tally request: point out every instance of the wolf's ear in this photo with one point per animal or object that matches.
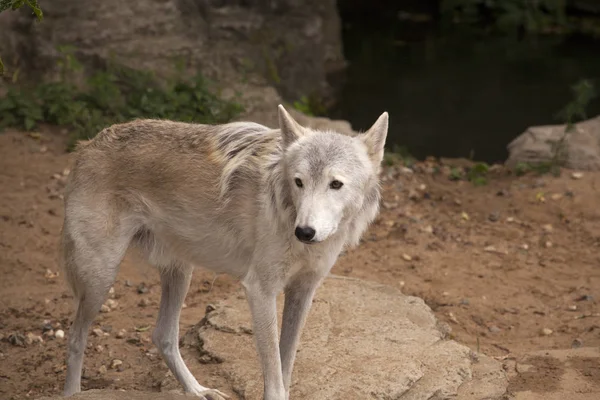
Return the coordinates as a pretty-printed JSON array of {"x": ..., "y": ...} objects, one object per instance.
[
  {"x": 290, "y": 129},
  {"x": 375, "y": 137}
]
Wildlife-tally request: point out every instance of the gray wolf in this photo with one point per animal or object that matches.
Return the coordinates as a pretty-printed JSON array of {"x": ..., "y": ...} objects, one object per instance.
[{"x": 272, "y": 207}]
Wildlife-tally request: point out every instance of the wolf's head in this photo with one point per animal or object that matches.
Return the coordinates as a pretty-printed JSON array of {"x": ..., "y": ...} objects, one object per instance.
[{"x": 331, "y": 176}]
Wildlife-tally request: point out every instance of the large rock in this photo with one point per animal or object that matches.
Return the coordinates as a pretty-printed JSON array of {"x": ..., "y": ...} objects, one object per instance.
[
  {"x": 579, "y": 149},
  {"x": 287, "y": 43},
  {"x": 362, "y": 340}
]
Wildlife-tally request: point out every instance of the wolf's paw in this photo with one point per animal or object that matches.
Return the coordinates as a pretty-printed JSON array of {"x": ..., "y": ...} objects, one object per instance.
[{"x": 211, "y": 394}]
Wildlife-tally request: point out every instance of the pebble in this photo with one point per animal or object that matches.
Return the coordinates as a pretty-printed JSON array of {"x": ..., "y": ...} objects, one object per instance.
[
  {"x": 452, "y": 317},
  {"x": 572, "y": 307},
  {"x": 548, "y": 244},
  {"x": 50, "y": 274},
  {"x": 413, "y": 194},
  {"x": 406, "y": 171},
  {"x": 577, "y": 175},
  {"x": 141, "y": 289},
  {"x": 144, "y": 303},
  {"x": 428, "y": 229},
  {"x": 111, "y": 292},
  {"x": 548, "y": 228},
  {"x": 406, "y": 257},
  {"x": 31, "y": 338},
  {"x": 546, "y": 331},
  {"x": 116, "y": 363},
  {"x": 112, "y": 304},
  {"x": 464, "y": 216},
  {"x": 59, "y": 334},
  {"x": 525, "y": 246},
  {"x": 48, "y": 334},
  {"x": 104, "y": 308},
  {"x": 99, "y": 348},
  {"x": 98, "y": 332},
  {"x": 577, "y": 343},
  {"x": 494, "y": 329},
  {"x": 121, "y": 334},
  {"x": 494, "y": 217},
  {"x": 102, "y": 370}
]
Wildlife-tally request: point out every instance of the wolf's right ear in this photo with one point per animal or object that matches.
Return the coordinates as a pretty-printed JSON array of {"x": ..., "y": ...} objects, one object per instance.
[
  {"x": 290, "y": 129},
  {"x": 375, "y": 137}
]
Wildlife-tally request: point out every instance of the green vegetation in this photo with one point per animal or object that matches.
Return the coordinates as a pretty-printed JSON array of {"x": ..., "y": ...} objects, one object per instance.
[
  {"x": 527, "y": 16},
  {"x": 110, "y": 95},
  {"x": 310, "y": 105},
  {"x": 15, "y": 5},
  {"x": 398, "y": 155}
]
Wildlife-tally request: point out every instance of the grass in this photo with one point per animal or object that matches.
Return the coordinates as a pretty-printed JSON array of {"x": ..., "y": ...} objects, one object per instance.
[{"x": 111, "y": 95}]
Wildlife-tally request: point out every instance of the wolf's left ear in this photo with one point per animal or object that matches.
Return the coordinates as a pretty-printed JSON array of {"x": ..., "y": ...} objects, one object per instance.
[
  {"x": 290, "y": 129},
  {"x": 375, "y": 137}
]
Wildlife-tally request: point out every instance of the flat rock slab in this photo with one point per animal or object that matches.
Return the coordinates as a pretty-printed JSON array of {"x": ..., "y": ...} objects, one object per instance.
[
  {"x": 362, "y": 340},
  {"x": 122, "y": 395}
]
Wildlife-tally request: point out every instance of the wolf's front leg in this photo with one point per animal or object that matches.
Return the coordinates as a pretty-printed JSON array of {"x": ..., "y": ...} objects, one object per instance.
[
  {"x": 298, "y": 299},
  {"x": 263, "y": 307}
]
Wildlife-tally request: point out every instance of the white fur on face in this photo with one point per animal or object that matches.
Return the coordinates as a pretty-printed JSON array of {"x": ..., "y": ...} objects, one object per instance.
[{"x": 318, "y": 159}]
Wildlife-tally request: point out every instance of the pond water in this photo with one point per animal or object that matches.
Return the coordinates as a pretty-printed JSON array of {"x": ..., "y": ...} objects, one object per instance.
[{"x": 459, "y": 94}]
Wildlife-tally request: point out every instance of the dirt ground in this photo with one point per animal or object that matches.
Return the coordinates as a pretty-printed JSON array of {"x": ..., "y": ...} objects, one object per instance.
[{"x": 511, "y": 266}]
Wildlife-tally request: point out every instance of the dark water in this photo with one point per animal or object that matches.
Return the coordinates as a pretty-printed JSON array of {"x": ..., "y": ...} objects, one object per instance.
[{"x": 459, "y": 94}]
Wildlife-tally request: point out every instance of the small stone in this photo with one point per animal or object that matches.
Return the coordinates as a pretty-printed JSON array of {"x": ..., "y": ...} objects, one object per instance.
[
  {"x": 102, "y": 370},
  {"x": 406, "y": 171},
  {"x": 413, "y": 195},
  {"x": 525, "y": 246},
  {"x": 112, "y": 304},
  {"x": 494, "y": 217},
  {"x": 464, "y": 216},
  {"x": 577, "y": 175},
  {"x": 43, "y": 149},
  {"x": 128, "y": 283},
  {"x": 144, "y": 303},
  {"x": 556, "y": 196},
  {"x": 98, "y": 332},
  {"x": 30, "y": 338},
  {"x": 49, "y": 334},
  {"x": 422, "y": 187},
  {"x": 59, "y": 334},
  {"x": 546, "y": 331},
  {"x": 577, "y": 343},
  {"x": 184, "y": 305},
  {"x": 510, "y": 219},
  {"x": 548, "y": 244},
  {"x": 141, "y": 289},
  {"x": 445, "y": 294},
  {"x": 406, "y": 257},
  {"x": 50, "y": 274},
  {"x": 548, "y": 228},
  {"x": 428, "y": 229},
  {"x": 66, "y": 172},
  {"x": 572, "y": 307},
  {"x": 402, "y": 283},
  {"x": 116, "y": 363},
  {"x": 99, "y": 348},
  {"x": 452, "y": 317},
  {"x": 494, "y": 329},
  {"x": 121, "y": 334},
  {"x": 111, "y": 292},
  {"x": 104, "y": 308}
]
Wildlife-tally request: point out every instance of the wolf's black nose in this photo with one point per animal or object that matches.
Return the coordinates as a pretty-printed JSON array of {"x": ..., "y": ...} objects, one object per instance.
[{"x": 305, "y": 234}]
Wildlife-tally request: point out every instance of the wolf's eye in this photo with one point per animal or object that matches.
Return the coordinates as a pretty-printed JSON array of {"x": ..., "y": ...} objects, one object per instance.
[
  {"x": 298, "y": 182},
  {"x": 336, "y": 185}
]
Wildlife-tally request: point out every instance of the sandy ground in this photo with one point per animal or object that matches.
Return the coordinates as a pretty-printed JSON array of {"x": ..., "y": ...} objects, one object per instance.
[{"x": 511, "y": 266}]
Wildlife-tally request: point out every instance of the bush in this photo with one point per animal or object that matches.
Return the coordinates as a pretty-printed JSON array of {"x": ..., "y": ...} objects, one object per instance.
[{"x": 112, "y": 95}]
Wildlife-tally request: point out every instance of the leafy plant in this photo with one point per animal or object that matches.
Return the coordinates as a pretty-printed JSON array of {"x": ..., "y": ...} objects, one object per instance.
[
  {"x": 310, "y": 105},
  {"x": 533, "y": 16},
  {"x": 15, "y": 5},
  {"x": 478, "y": 174},
  {"x": 111, "y": 95}
]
